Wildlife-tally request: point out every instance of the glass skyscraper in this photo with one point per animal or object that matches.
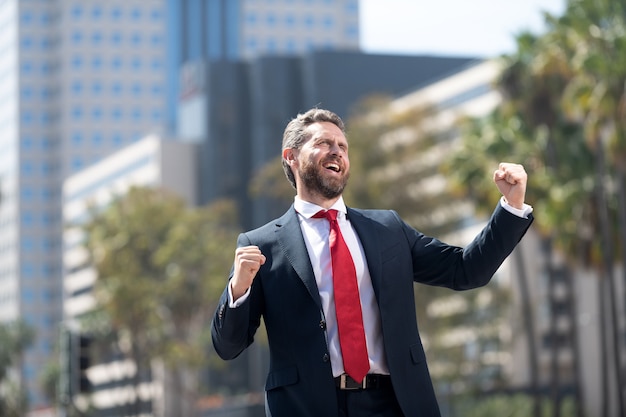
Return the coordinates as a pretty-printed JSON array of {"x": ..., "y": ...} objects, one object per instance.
[{"x": 80, "y": 79}]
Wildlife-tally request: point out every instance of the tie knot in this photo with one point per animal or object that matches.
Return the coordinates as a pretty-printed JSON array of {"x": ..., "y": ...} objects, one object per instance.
[{"x": 330, "y": 215}]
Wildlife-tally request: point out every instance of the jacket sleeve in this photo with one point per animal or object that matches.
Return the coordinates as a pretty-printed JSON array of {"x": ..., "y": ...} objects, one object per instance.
[
  {"x": 233, "y": 329},
  {"x": 436, "y": 263}
]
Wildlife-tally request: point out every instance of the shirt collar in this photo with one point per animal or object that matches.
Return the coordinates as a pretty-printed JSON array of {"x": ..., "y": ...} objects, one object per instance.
[{"x": 307, "y": 209}]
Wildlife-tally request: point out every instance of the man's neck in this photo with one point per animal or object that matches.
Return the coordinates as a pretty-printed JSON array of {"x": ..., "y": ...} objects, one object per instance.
[{"x": 318, "y": 200}]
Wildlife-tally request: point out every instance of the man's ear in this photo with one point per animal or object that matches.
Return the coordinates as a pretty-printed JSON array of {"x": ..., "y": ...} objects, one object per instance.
[{"x": 289, "y": 155}]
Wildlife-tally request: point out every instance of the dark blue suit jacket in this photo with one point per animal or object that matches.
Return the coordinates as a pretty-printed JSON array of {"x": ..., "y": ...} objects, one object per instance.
[{"x": 284, "y": 292}]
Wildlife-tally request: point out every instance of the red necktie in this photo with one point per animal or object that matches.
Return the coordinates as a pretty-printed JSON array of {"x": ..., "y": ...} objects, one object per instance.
[{"x": 347, "y": 302}]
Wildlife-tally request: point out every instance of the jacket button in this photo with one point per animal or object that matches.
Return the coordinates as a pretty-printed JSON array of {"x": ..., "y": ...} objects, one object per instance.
[
  {"x": 323, "y": 325},
  {"x": 326, "y": 357}
]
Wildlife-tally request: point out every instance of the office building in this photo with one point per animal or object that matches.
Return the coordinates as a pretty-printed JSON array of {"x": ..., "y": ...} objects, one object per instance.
[
  {"x": 247, "y": 104},
  {"x": 80, "y": 79}
]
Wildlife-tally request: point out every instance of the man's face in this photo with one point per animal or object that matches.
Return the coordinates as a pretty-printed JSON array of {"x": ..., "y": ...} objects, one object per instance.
[{"x": 322, "y": 166}]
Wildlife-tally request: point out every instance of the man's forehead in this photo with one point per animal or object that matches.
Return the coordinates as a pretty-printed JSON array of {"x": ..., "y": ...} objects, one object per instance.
[{"x": 325, "y": 129}]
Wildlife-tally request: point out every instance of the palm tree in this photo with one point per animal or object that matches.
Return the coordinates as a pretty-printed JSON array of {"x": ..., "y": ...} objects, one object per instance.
[
  {"x": 530, "y": 126},
  {"x": 593, "y": 33}
]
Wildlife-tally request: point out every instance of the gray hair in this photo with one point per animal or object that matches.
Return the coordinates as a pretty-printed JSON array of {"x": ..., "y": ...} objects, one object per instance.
[{"x": 295, "y": 135}]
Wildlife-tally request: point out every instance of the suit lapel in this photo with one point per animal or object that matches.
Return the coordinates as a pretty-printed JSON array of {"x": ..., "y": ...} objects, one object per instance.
[
  {"x": 365, "y": 228},
  {"x": 290, "y": 238}
]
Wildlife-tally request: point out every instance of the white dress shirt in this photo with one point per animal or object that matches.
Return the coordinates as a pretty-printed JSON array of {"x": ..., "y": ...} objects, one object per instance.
[{"x": 316, "y": 232}]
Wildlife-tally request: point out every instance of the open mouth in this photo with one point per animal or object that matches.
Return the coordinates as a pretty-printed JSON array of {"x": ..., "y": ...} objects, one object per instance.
[{"x": 333, "y": 167}]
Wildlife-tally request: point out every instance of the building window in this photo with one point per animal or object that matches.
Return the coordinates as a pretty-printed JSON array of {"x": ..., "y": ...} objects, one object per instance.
[
  {"x": 156, "y": 15},
  {"x": 116, "y": 63},
  {"x": 45, "y": 43},
  {"x": 96, "y": 88},
  {"x": 352, "y": 31},
  {"x": 116, "y": 88},
  {"x": 77, "y": 62},
  {"x": 252, "y": 44},
  {"x": 77, "y": 163},
  {"x": 27, "y": 67},
  {"x": 96, "y": 63},
  {"x": 116, "y": 13},
  {"x": 309, "y": 21},
  {"x": 136, "y": 63},
  {"x": 156, "y": 89},
  {"x": 77, "y": 139},
  {"x": 136, "y": 114},
  {"x": 328, "y": 22},
  {"x": 47, "y": 144},
  {"x": 116, "y": 114},
  {"x": 76, "y": 87},
  {"x": 271, "y": 20},
  {"x": 96, "y": 13},
  {"x": 26, "y": 42},
  {"x": 26, "y": 18},
  {"x": 136, "y": 89},
  {"x": 96, "y": 38},
  {"x": 135, "y": 14},
  {"x": 76, "y": 12},
  {"x": 47, "y": 118},
  {"x": 96, "y": 139},
  {"x": 27, "y": 93},
  {"x": 135, "y": 39},
  {"x": 96, "y": 114},
  {"x": 156, "y": 64},
  {"x": 46, "y": 68},
  {"x": 116, "y": 38},
  {"x": 271, "y": 45},
  {"x": 116, "y": 139},
  {"x": 291, "y": 45},
  {"x": 156, "y": 40},
  {"x": 77, "y": 113},
  {"x": 26, "y": 143},
  {"x": 290, "y": 20},
  {"x": 27, "y": 117},
  {"x": 47, "y": 92},
  {"x": 27, "y": 244},
  {"x": 27, "y": 218},
  {"x": 156, "y": 115},
  {"x": 27, "y": 196},
  {"x": 76, "y": 37}
]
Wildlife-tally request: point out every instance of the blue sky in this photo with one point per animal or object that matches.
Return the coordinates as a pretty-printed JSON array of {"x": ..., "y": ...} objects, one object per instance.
[{"x": 482, "y": 28}]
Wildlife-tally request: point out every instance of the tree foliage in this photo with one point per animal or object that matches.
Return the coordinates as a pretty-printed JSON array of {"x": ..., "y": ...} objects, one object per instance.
[
  {"x": 563, "y": 116},
  {"x": 15, "y": 337},
  {"x": 161, "y": 268}
]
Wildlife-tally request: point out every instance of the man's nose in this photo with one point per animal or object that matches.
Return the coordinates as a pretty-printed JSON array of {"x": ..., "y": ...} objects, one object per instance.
[{"x": 335, "y": 149}]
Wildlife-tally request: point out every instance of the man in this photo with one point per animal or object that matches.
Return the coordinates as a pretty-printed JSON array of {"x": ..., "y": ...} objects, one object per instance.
[{"x": 288, "y": 272}]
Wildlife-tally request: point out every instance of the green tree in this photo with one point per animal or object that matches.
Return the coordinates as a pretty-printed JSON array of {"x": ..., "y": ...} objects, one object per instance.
[
  {"x": 594, "y": 35},
  {"x": 564, "y": 99},
  {"x": 160, "y": 267},
  {"x": 529, "y": 127},
  {"x": 15, "y": 337}
]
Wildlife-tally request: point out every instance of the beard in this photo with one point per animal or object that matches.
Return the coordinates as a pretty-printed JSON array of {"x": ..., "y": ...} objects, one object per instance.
[{"x": 313, "y": 178}]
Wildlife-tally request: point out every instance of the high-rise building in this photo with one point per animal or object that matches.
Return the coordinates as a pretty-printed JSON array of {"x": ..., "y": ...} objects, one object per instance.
[{"x": 80, "y": 79}]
